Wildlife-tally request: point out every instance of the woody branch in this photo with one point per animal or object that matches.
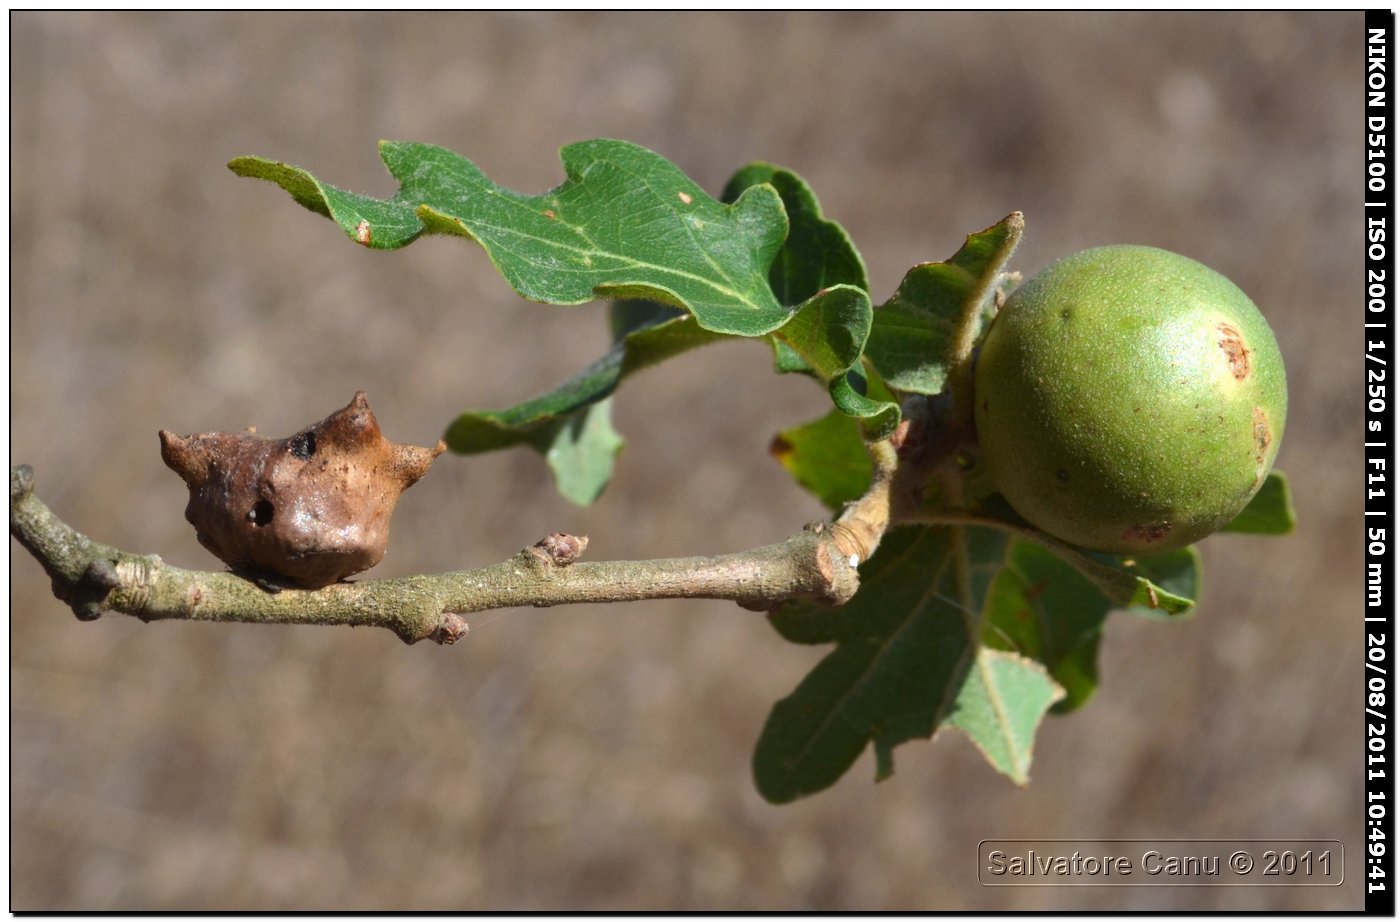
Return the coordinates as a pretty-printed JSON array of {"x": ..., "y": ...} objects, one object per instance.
[{"x": 819, "y": 562}]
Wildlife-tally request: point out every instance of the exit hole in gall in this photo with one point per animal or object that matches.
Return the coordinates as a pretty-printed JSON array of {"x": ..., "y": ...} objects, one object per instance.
[{"x": 261, "y": 513}]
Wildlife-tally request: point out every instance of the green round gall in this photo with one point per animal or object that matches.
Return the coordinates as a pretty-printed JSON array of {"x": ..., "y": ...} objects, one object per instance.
[{"x": 1129, "y": 400}]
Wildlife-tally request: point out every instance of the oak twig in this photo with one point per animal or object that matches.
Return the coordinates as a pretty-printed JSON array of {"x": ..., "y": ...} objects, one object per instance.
[{"x": 818, "y": 563}]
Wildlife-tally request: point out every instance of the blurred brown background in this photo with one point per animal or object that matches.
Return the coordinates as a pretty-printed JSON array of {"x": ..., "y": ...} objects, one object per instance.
[{"x": 599, "y": 757}]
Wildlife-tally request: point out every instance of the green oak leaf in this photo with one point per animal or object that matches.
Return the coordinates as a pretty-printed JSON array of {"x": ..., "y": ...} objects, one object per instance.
[
  {"x": 1000, "y": 706},
  {"x": 625, "y": 223},
  {"x": 1270, "y": 512},
  {"x": 579, "y": 447},
  {"x": 818, "y": 253},
  {"x": 912, "y": 336},
  {"x": 909, "y": 645},
  {"x": 979, "y": 628},
  {"x": 1045, "y": 610},
  {"x": 580, "y": 450},
  {"x": 1162, "y": 586},
  {"x": 828, "y": 457},
  {"x": 571, "y": 424},
  {"x": 828, "y": 333},
  {"x": 1168, "y": 584},
  {"x": 820, "y": 269}
]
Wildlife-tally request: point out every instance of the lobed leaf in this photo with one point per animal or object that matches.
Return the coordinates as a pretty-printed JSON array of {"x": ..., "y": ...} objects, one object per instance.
[
  {"x": 912, "y": 335},
  {"x": 818, "y": 253},
  {"x": 1000, "y": 706},
  {"x": 1044, "y": 609},
  {"x": 1168, "y": 584},
  {"x": 829, "y": 330},
  {"x": 580, "y": 450},
  {"x": 904, "y": 646},
  {"x": 828, "y": 457},
  {"x": 625, "y": 223},
  {"x": 1160, "y": 585},
  {"x": 579, "y": 446},
  {"x": 908, "y": 659},
  {"x": 820, "y": 269},
  {"x": 983, "y": 625},
  {"x": 828, "y": 334},
  {"x": 571, "y": 424}
]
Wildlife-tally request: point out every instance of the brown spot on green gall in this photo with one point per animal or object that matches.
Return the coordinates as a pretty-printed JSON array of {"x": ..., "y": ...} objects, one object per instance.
[
  {"x": 1263, "y": 435},
  {"x": 1236, "y": 354},
  {"x": 362, "y": 233},
  {"x": 1147, "y": 534}
]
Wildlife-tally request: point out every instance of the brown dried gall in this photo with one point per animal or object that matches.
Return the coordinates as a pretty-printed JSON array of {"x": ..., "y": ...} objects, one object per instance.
[{"x": 313, "y": 508}]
